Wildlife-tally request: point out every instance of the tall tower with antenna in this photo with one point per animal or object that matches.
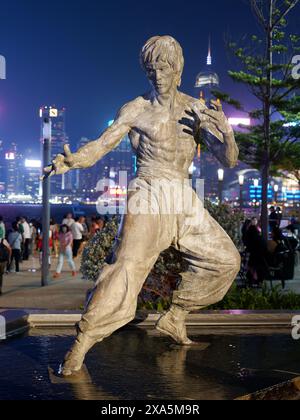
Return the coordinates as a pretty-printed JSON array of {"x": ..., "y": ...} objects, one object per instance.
[{"x": 207, "y": 80}]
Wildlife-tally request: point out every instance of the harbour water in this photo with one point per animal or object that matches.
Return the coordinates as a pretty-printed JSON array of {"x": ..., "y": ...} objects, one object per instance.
[{"x": 31, "y": 211}]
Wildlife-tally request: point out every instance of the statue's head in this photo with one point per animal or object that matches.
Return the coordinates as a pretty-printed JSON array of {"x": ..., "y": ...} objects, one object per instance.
[{"x": 162, "y": 60}]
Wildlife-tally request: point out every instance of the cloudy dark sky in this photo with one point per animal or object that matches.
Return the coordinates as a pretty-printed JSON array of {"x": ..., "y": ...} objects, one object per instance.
[{"x": 83, "y": 54}]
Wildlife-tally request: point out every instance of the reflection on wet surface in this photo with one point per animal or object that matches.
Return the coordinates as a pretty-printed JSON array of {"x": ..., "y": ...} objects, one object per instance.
[{"x": 139, "y": 364}]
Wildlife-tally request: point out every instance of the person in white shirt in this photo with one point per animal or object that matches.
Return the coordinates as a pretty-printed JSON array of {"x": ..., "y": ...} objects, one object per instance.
[
  {"x": 27, "y": 235},
  {"x": 68, "y": 220},
  {"x": 77, "y": 232}
]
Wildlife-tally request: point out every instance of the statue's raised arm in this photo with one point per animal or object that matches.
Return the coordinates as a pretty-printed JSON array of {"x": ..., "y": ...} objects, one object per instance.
[
  {"x": 213, "y": 127},
  {"x": 91, "y": 153}
]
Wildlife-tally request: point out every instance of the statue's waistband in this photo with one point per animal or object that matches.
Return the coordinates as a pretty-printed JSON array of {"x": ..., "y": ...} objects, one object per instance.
[{"x": 158, "y": 172}]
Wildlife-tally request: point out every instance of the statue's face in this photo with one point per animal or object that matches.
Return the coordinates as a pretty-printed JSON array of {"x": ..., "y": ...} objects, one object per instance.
[{"x": 162, "y": 77}]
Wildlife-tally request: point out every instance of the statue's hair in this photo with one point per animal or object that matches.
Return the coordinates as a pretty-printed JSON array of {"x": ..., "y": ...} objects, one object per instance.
[{"x": 163, "y": 48}]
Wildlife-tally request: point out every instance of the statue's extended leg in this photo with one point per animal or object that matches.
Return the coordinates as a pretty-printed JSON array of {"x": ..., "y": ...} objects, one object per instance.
[
  {"x": 214, "y": 263},
  {"x": 75, "y": 357},
  {"x": 114, "y": 302}
]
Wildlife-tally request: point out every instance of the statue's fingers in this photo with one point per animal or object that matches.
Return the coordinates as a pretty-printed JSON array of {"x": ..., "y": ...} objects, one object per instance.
[
  {"x": 216, "y": 105},
  {"x": 189, "y": 117},
  {"x": 214, "y": 115},
  {"x": 67, "y": 150},
  {"x": 48, "y": 169},
  {"x": 47, "y": 175}
]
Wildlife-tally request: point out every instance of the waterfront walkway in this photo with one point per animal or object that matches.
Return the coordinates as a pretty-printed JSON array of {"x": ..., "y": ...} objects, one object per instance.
[{"x": 24, "y": 290}]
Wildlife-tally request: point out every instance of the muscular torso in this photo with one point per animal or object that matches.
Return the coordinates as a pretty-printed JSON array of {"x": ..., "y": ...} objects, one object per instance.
[{"x": 161, "y": 142}]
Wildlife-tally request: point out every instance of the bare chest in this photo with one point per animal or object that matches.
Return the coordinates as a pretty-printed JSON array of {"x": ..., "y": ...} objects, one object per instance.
[{"x": 163, "y": 130}]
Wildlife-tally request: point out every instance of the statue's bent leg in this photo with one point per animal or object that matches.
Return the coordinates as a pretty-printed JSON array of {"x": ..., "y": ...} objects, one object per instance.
[
  {"x": 214, "y": 263},
  {"x": 114, "y": 301}
]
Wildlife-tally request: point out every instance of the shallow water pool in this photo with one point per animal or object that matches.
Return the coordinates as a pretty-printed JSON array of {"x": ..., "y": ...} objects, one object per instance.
[{"x": 139, "y": 364}]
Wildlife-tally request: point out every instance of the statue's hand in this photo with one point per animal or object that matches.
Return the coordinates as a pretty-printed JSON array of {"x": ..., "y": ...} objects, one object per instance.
[
  {"x": 217, "y": 119},
  {"x": 212, "y": 121},
  {"x": 61, "y": 163}
]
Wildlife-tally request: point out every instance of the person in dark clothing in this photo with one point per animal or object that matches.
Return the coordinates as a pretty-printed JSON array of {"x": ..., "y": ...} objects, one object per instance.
[
  {"x": 279, "y": 216},
  {"x": 258, "y": 250},
  {"x": 273, "y": 219},
  {"x": 15, "y": 242},
  {"x": 294, "y": 227}
]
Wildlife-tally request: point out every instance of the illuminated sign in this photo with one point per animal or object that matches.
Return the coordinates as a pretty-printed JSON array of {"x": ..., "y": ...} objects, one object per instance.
[
  {"x": 10, "y": 156},
  {"x": 239, "y": 121},
  {"x": 117, "y": 191},
  {"x": 33, "y": 163},
  {"x": 53, "y": 113}
]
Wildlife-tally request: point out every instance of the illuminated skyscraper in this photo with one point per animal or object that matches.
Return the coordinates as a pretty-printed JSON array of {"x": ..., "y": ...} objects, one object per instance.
[
  {"x": 11, "y": 169},
  {"x": 208, "y": 79},
  {"x": 32, "y": 172},
  {"x": 86, "y": 179},
  {"x": 205, "y": 165},
  {"x": 59, "y": 138}
]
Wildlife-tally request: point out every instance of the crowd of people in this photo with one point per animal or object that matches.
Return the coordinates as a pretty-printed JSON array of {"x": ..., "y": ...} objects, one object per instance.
[
  {"x": 25, "y": 238},
  {"x": 67, "y": 240},
  {"x": 260, "y": 254}
]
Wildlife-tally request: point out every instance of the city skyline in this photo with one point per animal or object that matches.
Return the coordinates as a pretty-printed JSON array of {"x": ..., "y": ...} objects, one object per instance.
[{"x": 89, "y": 64}]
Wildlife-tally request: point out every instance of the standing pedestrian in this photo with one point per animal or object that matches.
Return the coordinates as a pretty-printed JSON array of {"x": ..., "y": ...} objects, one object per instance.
[
  {"x": 65, "y": 245},
  {"x": 5, "y": 256},
  {"x": 40, "y": 247},
  {"x": 77, "y": 232},
  {"x": 273, "y": 219},
  {"x": 26, "y": 238},
  {"x": 68, "y": 220},
  {"x": 55, "y": 240},
  {"x": 15, "y": 242},
  {"x": 279, "y": 216},
  {"x": 85, "y": 234}
]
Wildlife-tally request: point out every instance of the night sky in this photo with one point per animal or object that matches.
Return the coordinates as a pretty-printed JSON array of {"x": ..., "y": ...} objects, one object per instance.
[{"x": 84, "y": 55}]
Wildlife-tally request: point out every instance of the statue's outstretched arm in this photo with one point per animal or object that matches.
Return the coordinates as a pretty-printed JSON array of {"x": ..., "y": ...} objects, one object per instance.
[{"x": 92, "y": 152}]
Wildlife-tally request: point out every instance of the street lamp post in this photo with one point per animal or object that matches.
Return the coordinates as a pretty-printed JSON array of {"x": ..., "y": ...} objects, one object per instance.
[
  {"x": 241, "y": 182},
  {"x": 46, "y": 204},
  {"x": 221, "y": 174}
]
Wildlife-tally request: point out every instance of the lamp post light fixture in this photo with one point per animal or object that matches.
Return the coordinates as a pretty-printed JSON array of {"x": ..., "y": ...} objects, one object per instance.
[
  {"x": 221, "y": 174},
  {"x": 241, "y": 183}
]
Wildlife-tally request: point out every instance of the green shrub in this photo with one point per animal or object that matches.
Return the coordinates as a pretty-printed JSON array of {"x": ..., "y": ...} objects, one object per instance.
[
  {"x": 255, "y": 299},
  {"x": 165, "y": 276}
]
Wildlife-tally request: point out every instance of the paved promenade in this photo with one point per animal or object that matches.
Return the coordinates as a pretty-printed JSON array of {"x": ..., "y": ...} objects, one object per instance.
[{"x": 24, "y": 290}]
